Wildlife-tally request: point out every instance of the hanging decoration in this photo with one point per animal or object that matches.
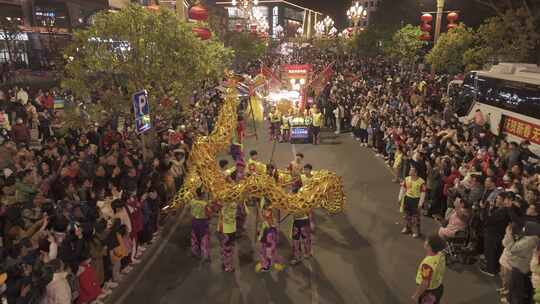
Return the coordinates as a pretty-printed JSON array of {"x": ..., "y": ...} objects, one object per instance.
[{"x": 426, "y": 27}]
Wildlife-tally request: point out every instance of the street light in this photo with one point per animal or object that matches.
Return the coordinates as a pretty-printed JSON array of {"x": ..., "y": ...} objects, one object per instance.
[
  {"x": 356, "y": 12},
  {"x": 438, "y": 20},
  {"x": 324, "y": 26}
]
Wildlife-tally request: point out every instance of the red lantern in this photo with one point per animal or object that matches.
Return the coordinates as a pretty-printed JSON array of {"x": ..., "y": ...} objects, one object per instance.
[
  {"x": 202, "y": 32},
  {"x": 425, "y": 37},
  {"x": 425, "y": 27},
  {"x": 451, "y": 26},
  {"x": 452, "y": 17},
  {"x": 198, "y": 12},
  {"x": 426, "y": 18},
  {"x": 238, "y": 27}
]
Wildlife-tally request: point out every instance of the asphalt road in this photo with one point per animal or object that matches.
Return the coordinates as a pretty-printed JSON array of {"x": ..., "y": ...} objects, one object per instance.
[{"x": 359, "y": 256}]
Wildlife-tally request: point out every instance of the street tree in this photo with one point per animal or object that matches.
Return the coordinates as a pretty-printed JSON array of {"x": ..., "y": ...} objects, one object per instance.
[
  {"x": 247, "y": 46},
  {"x": 135, "y": 49},
  {"x": 405, "y": 45},
  {"x": 531, "y": 7},
  {"x": 371, "y": 42},
  {"x": 447, "y": 54},
  {"x": 511, "y": 37}
]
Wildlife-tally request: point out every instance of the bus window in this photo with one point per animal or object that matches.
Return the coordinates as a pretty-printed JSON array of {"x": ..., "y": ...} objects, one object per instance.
[{"x": 466, "y": 95}]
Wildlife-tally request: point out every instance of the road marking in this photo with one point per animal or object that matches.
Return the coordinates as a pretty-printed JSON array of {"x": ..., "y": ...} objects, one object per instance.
[{"x": 153, "y": 259}]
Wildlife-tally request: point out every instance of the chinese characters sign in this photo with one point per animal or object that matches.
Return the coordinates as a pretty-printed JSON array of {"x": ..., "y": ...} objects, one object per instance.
[
  {"x": 521, "y": 129},
  {"x": 297, "y": 70}
]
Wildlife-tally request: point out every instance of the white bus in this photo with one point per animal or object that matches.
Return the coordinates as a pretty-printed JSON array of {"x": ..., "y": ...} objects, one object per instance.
[{"x": 508, "y": 95}]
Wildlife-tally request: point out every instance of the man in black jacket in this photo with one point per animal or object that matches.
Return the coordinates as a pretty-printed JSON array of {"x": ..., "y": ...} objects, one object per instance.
[{"x": 496, "y": 220}]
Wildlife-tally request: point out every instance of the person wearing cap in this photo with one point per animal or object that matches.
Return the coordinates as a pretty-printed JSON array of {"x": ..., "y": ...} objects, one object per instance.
[{"x": 430, "y": 274}]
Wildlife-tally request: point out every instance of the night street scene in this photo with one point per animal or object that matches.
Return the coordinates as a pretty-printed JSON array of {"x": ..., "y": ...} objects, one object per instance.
[{"x": 269, "y": 151}]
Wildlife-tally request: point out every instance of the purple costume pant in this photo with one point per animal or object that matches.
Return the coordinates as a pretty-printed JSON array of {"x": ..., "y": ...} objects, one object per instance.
[
  {"x": 269, "y": 254},
  {"x": 241, "y": 216},
  {"x": 226, "y": 241},
  {"x": 200, "y": 238},
  {"x": 301, "y": 236}
]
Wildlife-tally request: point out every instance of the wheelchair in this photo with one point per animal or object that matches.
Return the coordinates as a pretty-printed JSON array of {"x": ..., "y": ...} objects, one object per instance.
[{"x": 458, "y": 248}]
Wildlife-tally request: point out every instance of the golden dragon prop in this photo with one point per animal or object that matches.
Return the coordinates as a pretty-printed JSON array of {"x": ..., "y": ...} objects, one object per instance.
[{"x": 324, "y": 190}]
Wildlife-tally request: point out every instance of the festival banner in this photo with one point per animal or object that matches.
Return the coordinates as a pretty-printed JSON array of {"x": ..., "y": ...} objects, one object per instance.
[
  {"x": 322, "y": 79},
  {"x": 296, "y": 70},
  {"x": 520, "y": 128}
]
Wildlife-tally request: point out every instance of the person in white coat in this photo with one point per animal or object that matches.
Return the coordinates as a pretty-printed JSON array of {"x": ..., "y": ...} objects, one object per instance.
[{"x": 58, "y": 290}]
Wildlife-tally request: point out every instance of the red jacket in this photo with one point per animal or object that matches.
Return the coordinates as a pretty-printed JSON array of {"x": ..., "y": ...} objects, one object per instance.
[
  {"x": 89, "y": 288},
  {"x": 47, "y": 102},
  {"x": 20, "y": 133},
  {"x": 449, "y": 181},
  {"x": 136, "y": 216}
]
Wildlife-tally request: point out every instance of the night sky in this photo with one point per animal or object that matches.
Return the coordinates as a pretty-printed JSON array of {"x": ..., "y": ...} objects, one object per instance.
[{"x": 335, "y": 8}]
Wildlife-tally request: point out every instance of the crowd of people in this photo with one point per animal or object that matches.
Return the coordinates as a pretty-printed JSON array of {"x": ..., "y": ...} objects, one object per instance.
[
  {"x": 79, "y": 206},
  {"x": 472, "y": 182}
]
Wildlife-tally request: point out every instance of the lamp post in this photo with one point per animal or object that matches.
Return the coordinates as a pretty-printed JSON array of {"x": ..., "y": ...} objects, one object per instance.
[
  {"x": 324, "y": 26},
  {"x": 438, "y": 19},
  {"x": 355, "y": 13}
]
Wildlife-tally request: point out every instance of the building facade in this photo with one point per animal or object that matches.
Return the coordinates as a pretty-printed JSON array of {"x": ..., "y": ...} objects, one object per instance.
[
  {"x": 371, "y": 6},
  {"x": 43, "y": 26},
  {"x": 274, "y": 17}
]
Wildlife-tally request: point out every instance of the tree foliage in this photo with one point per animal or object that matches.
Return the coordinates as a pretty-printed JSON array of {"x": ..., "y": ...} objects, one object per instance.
[
  {"x": 447, "y": 54},
  {"x": 530, "y": 7},
  {"x": 371, "y": 41},
  {"x": 136, "y": 49},
  {"x": 511, "y": 37},
  {"x": 247, "y": 47},
  {"x": 405, "y": 44}
]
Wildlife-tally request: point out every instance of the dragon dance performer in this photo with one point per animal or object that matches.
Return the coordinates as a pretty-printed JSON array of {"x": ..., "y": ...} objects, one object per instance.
[
  {"x": 227, "y": 235},
  {"x": 237, "y": 147},
  {"x": 255, "y": 166},
  {"x": 275, "y": 120},
  {"x": 268, "y": 236},
  {"x": 242, "y": 211},
  {"x": 200, "y": 232},
  {"x": 302, "y": 227},
  {"x": 286, "y": 126},
  {"x": 316, "y": 117},
  {"x": 411, "y": 197},
  {"x": 295, "y": 168},
  {"x": 305, "y": 178}
]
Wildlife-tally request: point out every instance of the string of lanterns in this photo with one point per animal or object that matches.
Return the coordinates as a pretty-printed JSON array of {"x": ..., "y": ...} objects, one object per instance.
[
  {"x": 426, "y": 27},
  {"x": 199, "y": 12}
]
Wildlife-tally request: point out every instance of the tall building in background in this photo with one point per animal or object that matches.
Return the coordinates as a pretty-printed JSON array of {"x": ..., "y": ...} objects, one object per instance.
[
  {"x": 273, "y": 15},
  {"x": 45, "y": 26},
  {"x": 370, "y": 6}
]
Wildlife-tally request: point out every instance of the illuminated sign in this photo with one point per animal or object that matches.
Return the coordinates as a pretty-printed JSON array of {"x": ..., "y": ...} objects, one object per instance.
[
  {"x": 300, "y": 133},
  {"x": 522, "y": 129},
  {"x": 142, "y": 111}
]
